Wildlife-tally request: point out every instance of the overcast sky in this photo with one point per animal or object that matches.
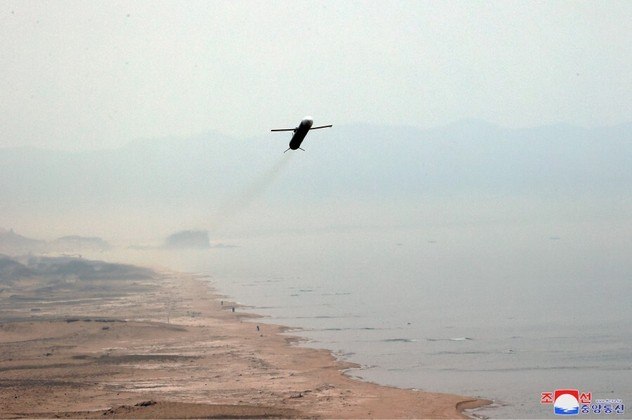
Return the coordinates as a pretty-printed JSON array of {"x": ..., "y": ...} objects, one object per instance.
[{"x": 85, "y": 74}]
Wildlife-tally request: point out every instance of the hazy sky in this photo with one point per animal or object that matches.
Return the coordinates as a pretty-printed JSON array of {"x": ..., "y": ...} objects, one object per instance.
[{"x": 84, "y": 74}]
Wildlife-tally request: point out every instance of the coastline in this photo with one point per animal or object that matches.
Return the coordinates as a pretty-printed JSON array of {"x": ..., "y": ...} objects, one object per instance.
[{"x": 167, "y": 347}]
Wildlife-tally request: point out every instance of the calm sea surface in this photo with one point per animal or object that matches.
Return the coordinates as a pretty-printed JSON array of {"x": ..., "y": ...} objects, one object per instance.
[{"x": 497, "y": 312}]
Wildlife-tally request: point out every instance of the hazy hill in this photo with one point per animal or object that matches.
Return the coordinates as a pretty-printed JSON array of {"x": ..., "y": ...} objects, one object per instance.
[
  {"x": 197, "y": 239},
  {"x": 11, "y": 270},
  {"x": 82, "y": 269},
  {"x": 66, "y": 268},
  {"x": 16, "y": 244},
  {"x": 13, "y": 243}
]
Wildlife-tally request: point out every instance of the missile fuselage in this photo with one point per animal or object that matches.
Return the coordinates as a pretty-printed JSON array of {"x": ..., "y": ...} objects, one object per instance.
[{"x": 300, "y": 132}]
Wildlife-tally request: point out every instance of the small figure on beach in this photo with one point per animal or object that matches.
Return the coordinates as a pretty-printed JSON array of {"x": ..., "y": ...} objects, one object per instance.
[
  {"x": 258, "y": 328},
  {"x": 233, "y": 309}
]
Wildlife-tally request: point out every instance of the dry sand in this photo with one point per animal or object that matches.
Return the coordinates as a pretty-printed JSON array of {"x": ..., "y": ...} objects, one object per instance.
[{"x": 167, "y": 348}]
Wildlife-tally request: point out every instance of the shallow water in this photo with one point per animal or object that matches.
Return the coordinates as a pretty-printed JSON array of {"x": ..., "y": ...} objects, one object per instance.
[{"x": 499, "y": 313}]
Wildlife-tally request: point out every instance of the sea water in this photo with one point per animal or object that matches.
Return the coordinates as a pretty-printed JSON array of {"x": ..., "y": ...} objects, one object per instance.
[{"x": 497, "y": 312}]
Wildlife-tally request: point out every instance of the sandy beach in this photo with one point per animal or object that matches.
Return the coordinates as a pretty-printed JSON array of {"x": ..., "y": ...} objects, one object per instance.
[{"x": 167, "y": 346}]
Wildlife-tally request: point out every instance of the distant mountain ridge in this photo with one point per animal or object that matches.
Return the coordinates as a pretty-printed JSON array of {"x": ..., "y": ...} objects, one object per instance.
[
  {"x": 13, "y": 243},
  {"x": 16, "y": 244},
  {"x": 356, "y": 161},
  {"x": 58, "y": 268}
]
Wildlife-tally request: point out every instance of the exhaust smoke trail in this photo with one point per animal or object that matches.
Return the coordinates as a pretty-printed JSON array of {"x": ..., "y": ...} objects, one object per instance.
[{"x": 251, "y": 193}]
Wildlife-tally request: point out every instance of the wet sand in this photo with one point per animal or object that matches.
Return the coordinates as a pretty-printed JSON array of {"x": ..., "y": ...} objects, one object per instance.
[{"x": 166, "y": 347}]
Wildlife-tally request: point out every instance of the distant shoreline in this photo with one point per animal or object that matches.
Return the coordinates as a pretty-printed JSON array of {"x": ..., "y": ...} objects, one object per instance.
[{"x": 169, "y": 347}]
